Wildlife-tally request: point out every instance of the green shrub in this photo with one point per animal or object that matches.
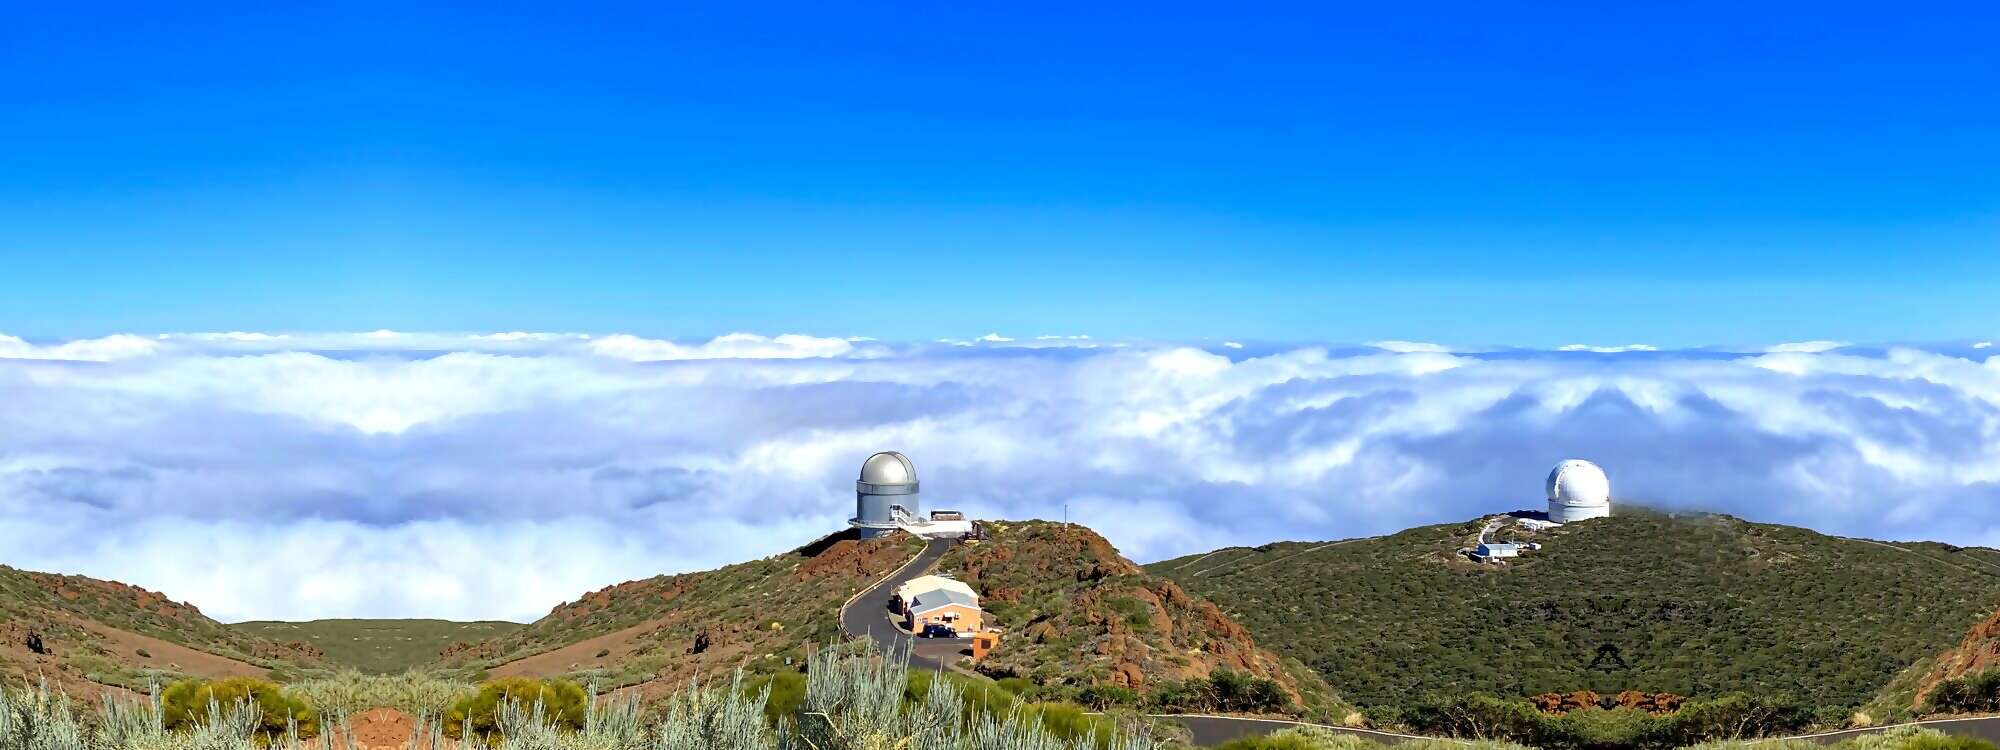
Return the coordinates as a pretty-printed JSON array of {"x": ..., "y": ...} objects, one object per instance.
[
  {"x": 1485, "y": 717},
  {"x": 564, "y": 704},
  {"x": 186, "y": 704},
  {"x": 420, "y": 695},
  {"x": 1904, "y": 738},
  {"x": 1222, "y": 690},
  {"x": 1974, "y": 693},
  {"x": 1101, "y": 697},
  {"x": 788, "y": 692}
]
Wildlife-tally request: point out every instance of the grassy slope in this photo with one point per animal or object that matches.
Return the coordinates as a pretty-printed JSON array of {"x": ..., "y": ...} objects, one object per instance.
[
  {"x": 1080, "y": 614},
  {"x": 378, "y": 646},
  {"x": 71, "y": 614},
  {"x": 755, "y": 614},
  {"x": 1697, "y": 605}
]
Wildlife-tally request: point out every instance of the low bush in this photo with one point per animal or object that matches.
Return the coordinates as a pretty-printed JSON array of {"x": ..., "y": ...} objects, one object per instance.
[
  {"x": 564, "y": 705},
  {"x": 1905, "y": 738},
  {"x": 1222, "y": 690},
  {"x": 1478, "y": 716},
  {"x": 188, "y": 704},
  {"x": 1319, "y": 738},
  {"x": 1971, "y": 694},
  {"x": 1101, "y": 697},
  {"x": 420, "y": 695}
]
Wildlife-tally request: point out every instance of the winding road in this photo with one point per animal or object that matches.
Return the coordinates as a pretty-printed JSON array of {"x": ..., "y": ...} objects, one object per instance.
[
  {"x": 1209, "y": 731},
  {"x": 867, "y": 615}
]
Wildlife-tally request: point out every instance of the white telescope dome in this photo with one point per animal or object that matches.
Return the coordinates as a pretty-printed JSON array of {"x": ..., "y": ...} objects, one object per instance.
[
  {"x": 888, "y": 467},
  {"x": 1578, "y": 490}
]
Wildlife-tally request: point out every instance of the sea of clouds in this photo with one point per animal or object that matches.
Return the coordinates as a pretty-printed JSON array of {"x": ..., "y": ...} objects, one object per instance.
[{"x": 392, "y": 474}]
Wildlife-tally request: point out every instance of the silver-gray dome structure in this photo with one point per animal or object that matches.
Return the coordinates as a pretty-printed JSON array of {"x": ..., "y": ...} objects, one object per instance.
[{"x": 888, "y": 481}]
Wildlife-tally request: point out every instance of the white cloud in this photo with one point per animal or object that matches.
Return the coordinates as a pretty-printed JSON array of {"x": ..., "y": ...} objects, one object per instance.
[
  {"x": 730, "y": 346},
  {"x": 1608, "y": 349},
  {"x": 109, "y": 348},
  {"x": 1406, "y": 347},
  {"x": 414, "y": 459},
  {"x": 1232, "y": 344},
  {"x": 1808, "y": 347},
  {"x": 994, "y": 338}
]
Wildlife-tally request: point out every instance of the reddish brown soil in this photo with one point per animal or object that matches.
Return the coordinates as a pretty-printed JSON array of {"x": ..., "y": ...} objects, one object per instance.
[
  {"x": 621, "y": 643},
  {"x": 1979, "y": 651},
  {"x": 381, "y": 729}
]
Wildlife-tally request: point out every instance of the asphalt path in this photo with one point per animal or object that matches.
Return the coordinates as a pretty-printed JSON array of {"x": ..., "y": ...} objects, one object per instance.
[
  {"x": 1983, "y": 727},
  {"x": 1209, "y": 731},
  {"x": 868, "y": 615}
]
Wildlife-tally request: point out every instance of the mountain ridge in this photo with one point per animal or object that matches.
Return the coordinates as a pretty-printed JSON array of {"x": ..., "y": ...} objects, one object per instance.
[{"x": 1690, "y": 604}]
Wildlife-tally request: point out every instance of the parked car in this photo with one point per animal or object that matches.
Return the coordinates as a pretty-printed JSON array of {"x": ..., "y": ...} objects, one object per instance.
[{"x": 939, "y": 630}]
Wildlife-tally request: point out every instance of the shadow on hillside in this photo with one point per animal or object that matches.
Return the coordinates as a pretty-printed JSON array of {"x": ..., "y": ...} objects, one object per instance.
[{"x": 824, "y": 543}]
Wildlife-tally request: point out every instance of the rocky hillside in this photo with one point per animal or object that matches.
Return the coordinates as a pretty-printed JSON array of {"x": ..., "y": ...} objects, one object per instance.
[
  {"x": 761, "y": 615},
  {"x": 1691, "y": 605},
  {"x": 82, "y": 631},
  {"x": 1076, "y": 612}
]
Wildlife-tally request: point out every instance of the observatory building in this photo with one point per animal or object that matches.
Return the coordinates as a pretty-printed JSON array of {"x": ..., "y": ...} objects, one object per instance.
[
  {"x": 1578, "y": 491},
  {"x": 888, "y": 482}
]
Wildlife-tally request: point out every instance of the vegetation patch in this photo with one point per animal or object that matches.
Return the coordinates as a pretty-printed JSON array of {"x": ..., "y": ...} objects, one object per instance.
[
  {"x": 1700, "y": 606},
  {"x": 378, "y": 646},
  {"x": 1976, "y": 693},
  {"x": 562, "y": 703},
  {"x": 191, "y": 703}
]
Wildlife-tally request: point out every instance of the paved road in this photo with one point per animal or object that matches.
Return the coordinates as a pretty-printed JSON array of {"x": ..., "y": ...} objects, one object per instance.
[
  {"x": 1985, "y": 728},
  {"x": 1209, "y": 731},
  {"x": 868, "y": 614}
]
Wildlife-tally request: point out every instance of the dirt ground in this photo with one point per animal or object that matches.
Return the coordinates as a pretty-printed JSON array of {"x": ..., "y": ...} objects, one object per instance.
[{"x": 381, "y": 729}]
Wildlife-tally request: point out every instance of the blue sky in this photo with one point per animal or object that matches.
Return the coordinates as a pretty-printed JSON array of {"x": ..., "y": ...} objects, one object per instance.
[{"x": 1463, "y": 173}]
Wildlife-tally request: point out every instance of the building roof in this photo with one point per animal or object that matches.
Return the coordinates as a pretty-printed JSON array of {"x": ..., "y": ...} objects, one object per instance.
[
  {"x": 934, "y": 600},
  {"x": 1578, "y": 482},
  {"x": 922, "y": 584},
  {"x": 888, "y": 467}
]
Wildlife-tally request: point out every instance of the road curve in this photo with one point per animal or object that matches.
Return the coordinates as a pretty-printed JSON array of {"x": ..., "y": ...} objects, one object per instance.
[
  {"x": 1209, "y": 731},
  {"x": 867, "y": 614},
  {"x": 1983, "y": 727}
]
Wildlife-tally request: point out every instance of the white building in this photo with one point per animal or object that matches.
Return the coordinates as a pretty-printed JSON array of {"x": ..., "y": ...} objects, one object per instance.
[{"x": 1578, "y": 491}]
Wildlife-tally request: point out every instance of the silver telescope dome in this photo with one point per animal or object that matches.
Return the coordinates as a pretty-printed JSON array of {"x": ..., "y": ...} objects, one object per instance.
[{"x": 888, "y": 467}]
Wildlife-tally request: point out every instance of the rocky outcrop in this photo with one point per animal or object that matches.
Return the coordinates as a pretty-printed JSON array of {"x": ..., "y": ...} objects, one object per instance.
[{"x": 1980, "y": 651}]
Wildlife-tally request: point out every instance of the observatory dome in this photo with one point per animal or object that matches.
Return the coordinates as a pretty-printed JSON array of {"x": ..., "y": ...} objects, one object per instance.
[
  {"x": 888, "y": 467},
  {"x": 1578, "y": 490}
]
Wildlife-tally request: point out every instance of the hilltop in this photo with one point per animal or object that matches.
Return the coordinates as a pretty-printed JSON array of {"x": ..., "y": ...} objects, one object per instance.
[
  {"x": 1696, "y": 605},
  {"x": 1077, "y": 614},
  {"x": 109, "y": 633},
  {"x": 759, "y": 615},
  {"x": 377, "y": 646}
]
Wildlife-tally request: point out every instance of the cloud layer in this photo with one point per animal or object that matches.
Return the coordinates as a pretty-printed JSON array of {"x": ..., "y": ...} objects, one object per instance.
[{"x": 407, "y": 474}]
